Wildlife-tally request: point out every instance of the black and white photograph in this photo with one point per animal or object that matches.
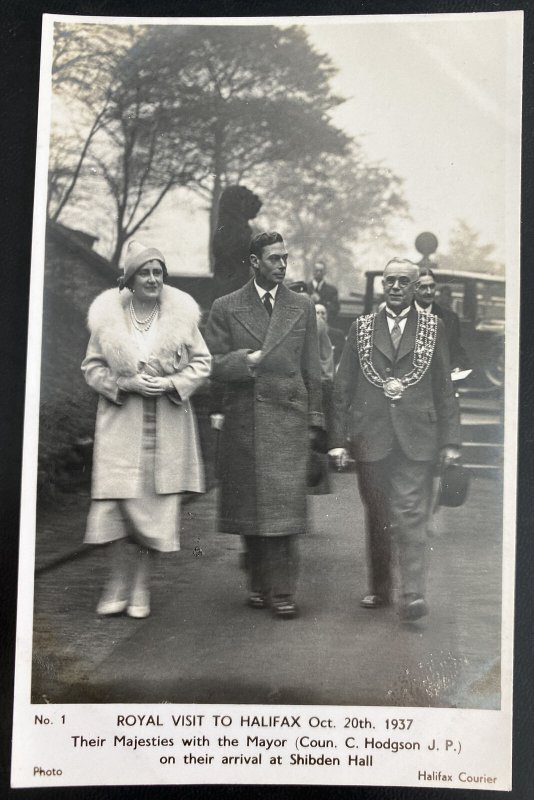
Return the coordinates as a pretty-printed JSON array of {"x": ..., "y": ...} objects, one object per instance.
[{"x": 268, "y": 494}]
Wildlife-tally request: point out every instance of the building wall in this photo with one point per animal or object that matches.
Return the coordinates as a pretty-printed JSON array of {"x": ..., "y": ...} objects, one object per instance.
[{"x": 74, "y": 276}]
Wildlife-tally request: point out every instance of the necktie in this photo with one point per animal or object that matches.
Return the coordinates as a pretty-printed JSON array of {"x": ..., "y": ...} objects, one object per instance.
[
  {"x": 267, "y": 302},
  {"x": 396, "y": 333}
]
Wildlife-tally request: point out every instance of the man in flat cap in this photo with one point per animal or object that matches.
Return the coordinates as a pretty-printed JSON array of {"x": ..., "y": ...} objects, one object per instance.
[
  {"x": 394, "y": 401},
  {"x": 263, "y": 339}
]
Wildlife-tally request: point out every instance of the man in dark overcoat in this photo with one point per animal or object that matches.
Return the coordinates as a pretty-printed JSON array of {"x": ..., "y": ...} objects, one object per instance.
[
  {"x": 263, "y": 339},
  {"x": 425, "y": 302},
  {"x": 323, "y": 292},
  {"x": 394, "y": 401}
]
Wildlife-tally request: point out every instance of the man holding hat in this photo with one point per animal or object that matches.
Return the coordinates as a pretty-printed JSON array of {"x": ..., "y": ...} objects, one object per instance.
[{"x": 394, "y": 401}]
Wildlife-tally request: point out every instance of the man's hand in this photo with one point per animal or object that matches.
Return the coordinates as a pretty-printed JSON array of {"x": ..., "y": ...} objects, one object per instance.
[
  {"x": 217, "y": 422},
  {"x": 448, "y": 455},
  {"x": 339, "y": 456},
  {"x": 253, "y": 359}
]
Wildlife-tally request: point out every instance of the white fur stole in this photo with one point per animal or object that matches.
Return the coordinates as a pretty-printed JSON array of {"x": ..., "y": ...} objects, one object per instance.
[{"x": 108, "y": 321}]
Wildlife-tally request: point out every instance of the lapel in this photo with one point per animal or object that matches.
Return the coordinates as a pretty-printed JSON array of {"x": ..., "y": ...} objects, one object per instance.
[
  {"x": 382, "y": 337},
  {"x": 438, "y": 311},
  {"x": 407, "y": 342},
  {"x": 251, "y": 313},
  {"x": 286, "y": 314}
]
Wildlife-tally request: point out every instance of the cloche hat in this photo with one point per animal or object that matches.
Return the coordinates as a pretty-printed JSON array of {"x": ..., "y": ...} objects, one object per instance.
[{"x": 137, "y": 255}]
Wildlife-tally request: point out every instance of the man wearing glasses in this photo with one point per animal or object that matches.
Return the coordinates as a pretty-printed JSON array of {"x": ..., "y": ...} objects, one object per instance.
[{"x": 395, "y": 404}]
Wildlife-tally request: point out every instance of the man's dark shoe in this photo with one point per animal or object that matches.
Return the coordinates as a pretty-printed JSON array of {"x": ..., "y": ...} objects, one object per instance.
[
  {"x": 374, "y": 601},
  {"x": 284, "y": 606},
  {"x": 412, "y": 607}
]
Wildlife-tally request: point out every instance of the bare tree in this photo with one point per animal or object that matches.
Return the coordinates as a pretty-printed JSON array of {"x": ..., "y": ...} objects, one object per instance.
[
  {"x": 209, "y": 106},
  {"x": 84, "y": 59},
  {"x": 142, "y": 152},
  {"x": 252, "y": 95}
]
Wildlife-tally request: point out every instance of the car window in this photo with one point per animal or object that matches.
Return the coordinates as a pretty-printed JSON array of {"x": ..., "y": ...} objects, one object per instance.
[
  {"x": 378, "y": 292},
  {"x": 473, "y": 300},
  {"x": 490, "y": 300},
  {"x": 450, "y": 294}
]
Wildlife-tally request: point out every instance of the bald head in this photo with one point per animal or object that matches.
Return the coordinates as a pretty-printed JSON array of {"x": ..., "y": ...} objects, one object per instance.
[{"x": 398, "y": 280}]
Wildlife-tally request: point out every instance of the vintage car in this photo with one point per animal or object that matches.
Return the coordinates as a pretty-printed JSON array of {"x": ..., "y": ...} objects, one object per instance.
[{"x": 479, "y": 301}]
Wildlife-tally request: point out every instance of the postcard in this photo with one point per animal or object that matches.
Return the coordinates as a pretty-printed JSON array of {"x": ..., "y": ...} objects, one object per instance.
[{"x": 269, "y": 474}]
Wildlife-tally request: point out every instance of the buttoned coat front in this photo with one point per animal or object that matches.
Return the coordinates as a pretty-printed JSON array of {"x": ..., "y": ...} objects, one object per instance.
[
  {"x": 179, "y": 352},
  {"x": 264, "y": 443},
  {"x": 423, "y": 420}
]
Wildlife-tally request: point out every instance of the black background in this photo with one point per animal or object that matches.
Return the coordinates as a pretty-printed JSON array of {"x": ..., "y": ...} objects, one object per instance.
[{"x": 20, "y": 35}]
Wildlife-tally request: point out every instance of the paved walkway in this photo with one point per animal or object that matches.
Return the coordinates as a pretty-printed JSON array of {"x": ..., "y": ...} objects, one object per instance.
[{"x": 202, "y": 644}]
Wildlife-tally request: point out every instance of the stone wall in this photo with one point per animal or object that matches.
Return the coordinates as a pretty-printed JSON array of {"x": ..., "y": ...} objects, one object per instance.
[{"x": 74, "y": 276}]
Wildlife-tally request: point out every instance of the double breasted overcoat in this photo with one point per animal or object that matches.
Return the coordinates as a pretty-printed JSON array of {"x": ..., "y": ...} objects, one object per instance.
[{"x": 267, "y": 411}]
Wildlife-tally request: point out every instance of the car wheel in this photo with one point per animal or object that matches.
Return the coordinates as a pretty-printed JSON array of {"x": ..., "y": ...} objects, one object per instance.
[{"x": 494, "y": 362}]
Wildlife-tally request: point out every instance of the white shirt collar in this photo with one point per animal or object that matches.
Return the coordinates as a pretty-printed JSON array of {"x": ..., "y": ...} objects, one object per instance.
[
  {"x": 262, "y": 292},
  {"x": 403, "y": 313},
  {"x": 421, "y": 310},
  {"x": 397, "y": 319}
]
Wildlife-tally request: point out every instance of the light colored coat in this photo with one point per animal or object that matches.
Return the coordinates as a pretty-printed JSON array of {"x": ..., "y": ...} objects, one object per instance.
[
  {"x": 179, "y": 352},
  {"x": 264, "y": 446}
]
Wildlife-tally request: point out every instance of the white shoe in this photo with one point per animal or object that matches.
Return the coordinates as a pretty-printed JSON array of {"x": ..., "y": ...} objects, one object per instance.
[
  {"x": 139, "y": 606},
  {"x": 106, "y": 608}
]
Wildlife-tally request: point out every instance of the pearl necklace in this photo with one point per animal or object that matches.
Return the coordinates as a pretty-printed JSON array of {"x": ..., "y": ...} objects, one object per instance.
[{"x": 143, "y": 325}]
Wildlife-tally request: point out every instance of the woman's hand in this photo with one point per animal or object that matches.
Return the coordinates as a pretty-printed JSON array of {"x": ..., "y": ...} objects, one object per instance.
[
  {"x": 145, "y": 385},
  {"x": 160, "y": 385}
]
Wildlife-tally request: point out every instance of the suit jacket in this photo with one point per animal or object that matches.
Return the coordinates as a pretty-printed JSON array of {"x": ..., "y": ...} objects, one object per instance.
[
  {"x": 422, "y": 421},
  {"x": 451, "y": 322},
  {"x": 264, "y": 443},
  {"x": 337, "y": 337},
  {"x": 328, "y": 296}
]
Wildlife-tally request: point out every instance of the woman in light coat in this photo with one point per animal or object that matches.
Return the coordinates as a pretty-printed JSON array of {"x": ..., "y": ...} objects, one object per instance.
[{"x": 145, "y": 359}]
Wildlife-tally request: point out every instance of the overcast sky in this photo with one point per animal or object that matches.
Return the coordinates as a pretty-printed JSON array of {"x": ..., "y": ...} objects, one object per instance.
[
  {"x": 430, "y": 97},
  {"x": 437, "y": 99},
  {"x": 434, "y": 97}
]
